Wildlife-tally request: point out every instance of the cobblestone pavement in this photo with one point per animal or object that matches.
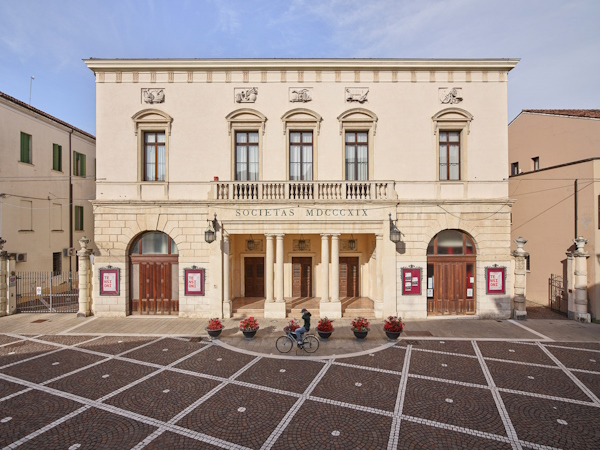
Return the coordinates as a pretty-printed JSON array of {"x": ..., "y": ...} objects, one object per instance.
[{"x": 111, "y": 392}]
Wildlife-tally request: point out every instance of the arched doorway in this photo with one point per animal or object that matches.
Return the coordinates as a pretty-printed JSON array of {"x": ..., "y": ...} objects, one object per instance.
[
  {"x": 451, "y": 274},
  {"x": 154, "y": 285}
]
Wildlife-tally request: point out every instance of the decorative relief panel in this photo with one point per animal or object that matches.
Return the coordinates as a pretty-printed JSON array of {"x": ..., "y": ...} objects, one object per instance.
[
  {"x": 302, "y": 95},
  {"x": 450, "y": 96},
  {"x": 243, "y": 95},
  {"x": 345, "y": 245},
  {"x": 254, "y": 245},
  {"x": 153, "y": 96},
  {"x": 358, "y": 95},
  {"x": 306, "y": 245}
]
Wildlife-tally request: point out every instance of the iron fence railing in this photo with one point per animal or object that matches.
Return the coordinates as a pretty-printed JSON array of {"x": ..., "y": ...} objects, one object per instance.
[{"x": 43, "y": 292}]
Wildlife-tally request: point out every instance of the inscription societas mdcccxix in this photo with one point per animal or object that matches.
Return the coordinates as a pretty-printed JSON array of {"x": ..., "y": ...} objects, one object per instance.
[{"x": 308, "y": 212}]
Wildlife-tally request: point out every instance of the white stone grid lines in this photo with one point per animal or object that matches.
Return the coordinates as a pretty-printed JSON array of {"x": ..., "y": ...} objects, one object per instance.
[
  {"x": 170, "y": 425},
  {"x": 509, "y": 427}
]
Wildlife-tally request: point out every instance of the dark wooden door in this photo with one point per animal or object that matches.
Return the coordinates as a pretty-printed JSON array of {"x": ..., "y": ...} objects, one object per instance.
[
  {"x": 155, "y": 289},
  {"x": 254, "y": 277},
  {"x": 349, "y": 277},
  {"x": 451, "y": 280},
  {"x": 301, "y": 277}
]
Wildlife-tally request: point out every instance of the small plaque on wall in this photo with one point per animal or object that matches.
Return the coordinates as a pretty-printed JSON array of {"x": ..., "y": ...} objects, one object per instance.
[
  {"x": 495, "y": 278},
  {"x": 109, "y": 281},
  {"x": 411, "y": 280},
  {"x": 194, "y": 281}
]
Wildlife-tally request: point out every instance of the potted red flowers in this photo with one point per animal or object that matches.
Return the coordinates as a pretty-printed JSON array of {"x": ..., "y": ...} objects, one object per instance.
[
  {"x": 214, "y": 328},
  {"x": 360, "y": 326},
  {"x": 291, "y": 326},
  {"x": 325, "y": 328},
  {"x": 393, "y": 326},
  {"x": 249, "y": 326}
]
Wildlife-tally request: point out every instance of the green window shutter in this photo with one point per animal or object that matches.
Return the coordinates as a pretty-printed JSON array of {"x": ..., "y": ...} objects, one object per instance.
[
  {"x": 59, "y": 158},
  {"x": 55, "y": 157},
  {"x": 24, "y": 147},
  {"x": 74, "y": 163},
  {"x": 82, "y": 165}
]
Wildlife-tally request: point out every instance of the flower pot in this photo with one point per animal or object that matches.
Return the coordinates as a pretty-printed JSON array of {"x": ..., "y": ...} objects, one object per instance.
[
  {"x": 249, "y": 334},
  {"x": 214, "y": 333},
  {"x": 360, "y": 334},
  {"x": 324, "y": 334},
  {"x": 393, "y": 335}
]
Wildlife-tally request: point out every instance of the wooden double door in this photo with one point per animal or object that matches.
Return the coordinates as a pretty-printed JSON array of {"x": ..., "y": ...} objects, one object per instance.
[
  {"x": 301, "y": 277},
  {"x": 349, "y": 277},
  {"x": 454, "y": 287},
  {"x": 153, "y": 291},
  {"x": 254, "y": 277}
]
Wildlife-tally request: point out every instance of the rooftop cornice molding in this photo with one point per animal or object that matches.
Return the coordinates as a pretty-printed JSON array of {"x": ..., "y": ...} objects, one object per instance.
[{"x": 109, "y": 65}]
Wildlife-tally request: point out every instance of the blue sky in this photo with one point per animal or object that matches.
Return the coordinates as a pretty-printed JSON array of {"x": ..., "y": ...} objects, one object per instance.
[{"x": 558, "y": 41}]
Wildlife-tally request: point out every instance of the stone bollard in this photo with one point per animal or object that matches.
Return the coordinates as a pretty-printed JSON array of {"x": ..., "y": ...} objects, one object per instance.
[
  {"x": 84, "y": 277},
  {"x": 520, "y": 255},
  {"x": 3, "y": 275},
  {"x": 580, "y": 312}
]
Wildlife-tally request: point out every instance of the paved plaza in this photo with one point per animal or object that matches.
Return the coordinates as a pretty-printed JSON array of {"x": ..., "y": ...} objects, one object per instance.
[{"x": 68, "y": 390}]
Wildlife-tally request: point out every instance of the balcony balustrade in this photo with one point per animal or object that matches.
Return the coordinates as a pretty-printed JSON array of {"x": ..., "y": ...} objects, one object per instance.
[{"x": 303, "y": 190}]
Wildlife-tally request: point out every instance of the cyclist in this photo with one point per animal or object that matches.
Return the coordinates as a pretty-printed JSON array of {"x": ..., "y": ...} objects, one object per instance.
[{"x": 303, "y": 329}]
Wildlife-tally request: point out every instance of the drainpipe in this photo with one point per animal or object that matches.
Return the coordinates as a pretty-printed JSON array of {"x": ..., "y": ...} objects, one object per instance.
[
  {"x": 576, "y": 235},
  {"x": 70, "y": 200}
]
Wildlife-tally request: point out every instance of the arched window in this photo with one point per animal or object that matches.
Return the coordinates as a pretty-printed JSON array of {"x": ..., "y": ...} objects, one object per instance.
[
  {"x": 301, "y": 127},
  {"x": 246, "y": 127},
  {"x": 451, "y": 242},
  {"x": 152, "y": 128},
  {"x": 452, "y": 125},
  {"x": 358, "y": 127},
  {"x": 154, "y": 243}
]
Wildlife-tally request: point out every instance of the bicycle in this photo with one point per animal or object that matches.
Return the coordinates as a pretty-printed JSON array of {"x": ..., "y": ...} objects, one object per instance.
[{"x": 284, "y": 344}]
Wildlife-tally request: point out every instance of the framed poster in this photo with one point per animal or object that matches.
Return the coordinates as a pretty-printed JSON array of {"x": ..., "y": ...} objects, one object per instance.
[
  {"x": 411, "y": 280},
  {"x": 109, "y": 281},
  {"x": 495, "y": 278},
  {"x": 194, "y": 281}
]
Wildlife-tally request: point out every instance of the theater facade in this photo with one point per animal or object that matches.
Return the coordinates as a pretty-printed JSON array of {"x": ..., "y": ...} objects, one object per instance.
[{"x": 260, "y": 186}]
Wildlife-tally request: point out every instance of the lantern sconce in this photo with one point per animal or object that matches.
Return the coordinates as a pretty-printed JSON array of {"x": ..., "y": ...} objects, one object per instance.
[
  {"x": 352, "y": 243},
  {"x": 250, "y": 244},
  {"x": 395, "y": 234},
  {"x": 210, "y": 233},
  {"x": 302, "y": 243}
]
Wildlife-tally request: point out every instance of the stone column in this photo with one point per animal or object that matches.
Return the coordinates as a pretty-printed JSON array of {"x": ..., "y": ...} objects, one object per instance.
[
  {"x": 84, "y": 278},
  {"x": 3, "y": 275},
  {"x": 520, "y": 255},
  {"x": 269, "y": 268},
  {"x": 581, "y": 304},
  {"x": 227, "y": 307},
  {"x": 279, "y": 268},
  {"x": 324, "y": 268},
  {"x": 379, "y": 255},
  {"x": 335, "y": 267}
]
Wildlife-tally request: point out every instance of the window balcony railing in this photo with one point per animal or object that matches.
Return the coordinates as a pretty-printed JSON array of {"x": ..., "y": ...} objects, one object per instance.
[{"x": 303, "y": 190}]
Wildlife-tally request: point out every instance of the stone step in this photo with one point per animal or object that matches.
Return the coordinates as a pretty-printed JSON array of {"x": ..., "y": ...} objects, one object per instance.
[
  {"x": 359, "y": 312},
  {"x": 243, "y": 313}
]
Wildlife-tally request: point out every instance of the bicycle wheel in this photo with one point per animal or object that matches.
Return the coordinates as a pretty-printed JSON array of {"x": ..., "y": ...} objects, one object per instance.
[
  {"x": 310, "y": 344},
  {"x": 284, "y": 344}
]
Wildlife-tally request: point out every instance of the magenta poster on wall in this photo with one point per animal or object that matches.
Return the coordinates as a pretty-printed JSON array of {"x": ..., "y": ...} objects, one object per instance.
[
  {"x": 194, "y": 281},
  {"x": 109, "y": 281},
  {"x": 495, "y": 280}
]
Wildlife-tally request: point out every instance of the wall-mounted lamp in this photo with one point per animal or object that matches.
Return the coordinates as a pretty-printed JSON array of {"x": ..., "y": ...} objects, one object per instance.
[
  {"x": 352, "y": 243},
  {"x": 210, "y": 234},
  {"x": 301, "y": 244},
  {"x": 250, "y": 243},
  {"x": 395, "y": 234}
]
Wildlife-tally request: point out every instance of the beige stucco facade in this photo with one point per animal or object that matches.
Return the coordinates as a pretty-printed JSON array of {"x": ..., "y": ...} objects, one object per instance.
[
  {"x": 559, "y": 201},
  {"x": 401, "y": 105},
  {"x": 34, "y": 198}
]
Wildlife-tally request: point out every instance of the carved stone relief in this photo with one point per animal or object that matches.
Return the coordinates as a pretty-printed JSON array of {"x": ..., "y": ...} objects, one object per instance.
[
  {"x": 300, "y": 95},
  {"x": 450, "y": 96},
  {"x": 255, "y": 245},
  {"x": 357, "y": 95},
  {"x": 245, "y": 95},
  {"x": 153, "y": 96},
  {"x": 306, "y": 245}
]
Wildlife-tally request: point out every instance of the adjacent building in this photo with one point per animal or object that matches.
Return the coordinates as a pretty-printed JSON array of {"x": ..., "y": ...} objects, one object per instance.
[
  {"x": 374, "y": 187},
  {"x": 46, "y": 187},
  {"x": 554, "y": 160}
]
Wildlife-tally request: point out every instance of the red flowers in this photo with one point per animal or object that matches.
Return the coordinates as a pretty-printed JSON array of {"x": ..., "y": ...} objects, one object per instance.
[
  {"x": 325, "y": 325},
  {"x": 214, "y": 324},
  {"x": 360, "y": 324},
  {"x": 249, "y": 324},
  {"x": 292, "y": 325},
  {"x": 393, "y": 324}
]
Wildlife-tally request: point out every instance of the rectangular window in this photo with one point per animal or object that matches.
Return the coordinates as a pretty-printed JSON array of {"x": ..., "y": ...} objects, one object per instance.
[
  {"x": 78, "y": 218},
  {"x": 357, "y": 155},
  {"x": 26, "y": 209},
  {"x": 246, "y": 156},
  {"x": 57, "y": 157},
  {"x": 449, "y": 155},
  {"x": 301, "y": 155},
  {"x": 26, "y": 148},
  {"x": 56, "y": 263},
  {"x": 536, "y": 163},
  {"x": 79, "y": 164},
  {"x": 514, "y": 168},
  {"x": 154, "y": 156}
]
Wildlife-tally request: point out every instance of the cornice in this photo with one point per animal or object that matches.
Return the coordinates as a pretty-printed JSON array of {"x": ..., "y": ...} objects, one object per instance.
[{"x": 109, "y": 65}]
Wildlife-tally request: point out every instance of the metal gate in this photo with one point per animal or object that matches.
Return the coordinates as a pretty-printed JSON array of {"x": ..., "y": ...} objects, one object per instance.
[
  {"x": 556, "y": 294},
  {"x": 44, "y": 292}
]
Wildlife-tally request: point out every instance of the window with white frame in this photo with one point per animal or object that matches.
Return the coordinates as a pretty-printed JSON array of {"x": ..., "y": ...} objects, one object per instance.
[
  {"x": 357, "y": 155},
  {"x": 246, "y": 155},
  {"x": 452, "y": 127},
  {"x": 301, "y": 155},
  {"x": 153, "y": 129}
]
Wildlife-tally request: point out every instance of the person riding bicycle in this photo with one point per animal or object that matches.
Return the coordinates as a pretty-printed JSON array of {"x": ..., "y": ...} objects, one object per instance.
[{"x": 303, "y": 329}]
